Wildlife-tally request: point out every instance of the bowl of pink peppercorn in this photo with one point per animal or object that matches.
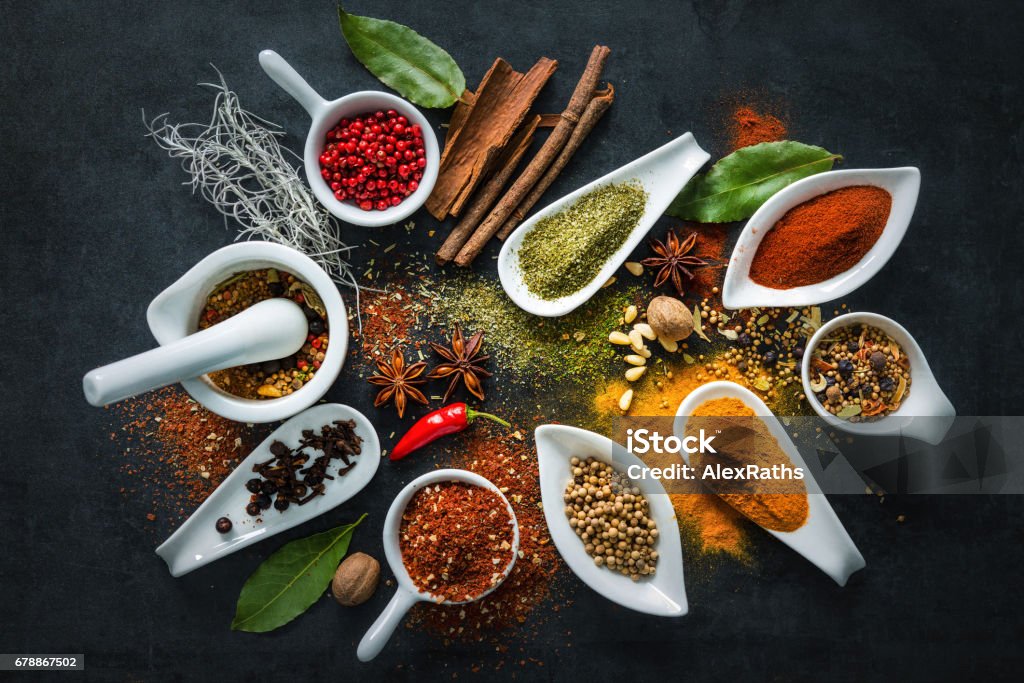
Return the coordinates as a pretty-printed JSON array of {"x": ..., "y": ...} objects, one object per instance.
[{"x": 371, "y": 158}]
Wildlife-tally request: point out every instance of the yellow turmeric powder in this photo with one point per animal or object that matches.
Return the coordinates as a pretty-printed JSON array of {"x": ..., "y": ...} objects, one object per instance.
[{"x": 742, "y": 439}]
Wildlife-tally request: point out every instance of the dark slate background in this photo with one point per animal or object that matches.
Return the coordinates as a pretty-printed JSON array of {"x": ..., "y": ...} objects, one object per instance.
[{"x": 95, "y": 223}]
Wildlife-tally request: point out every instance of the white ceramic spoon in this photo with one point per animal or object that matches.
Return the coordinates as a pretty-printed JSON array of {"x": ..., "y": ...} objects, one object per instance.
[
  {"x": 197, "y": 542},
  {"x": 408, "y": 594},
  {"x": 822, "y": 539},
  {"x": 925, "y": 413},
  {"x": 663, "y": 594},
  {"x": 270, "y": 329},
  {"x": 662, "y": 173},
  {"x": 739, "y": 291},
  {"x": 326, "y": 114}
]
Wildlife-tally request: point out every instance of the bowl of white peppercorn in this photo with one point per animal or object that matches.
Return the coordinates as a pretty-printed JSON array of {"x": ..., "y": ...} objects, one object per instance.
[{"x": 654, "y": 582}]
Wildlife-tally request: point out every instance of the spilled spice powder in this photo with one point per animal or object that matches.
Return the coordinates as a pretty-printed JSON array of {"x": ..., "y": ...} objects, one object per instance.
[
  {"x": 749, "y": 127},
  {"x": 175, "y": 451},
  {"x": 388, "y": 319},
  {"x": 510, "y": 463}
]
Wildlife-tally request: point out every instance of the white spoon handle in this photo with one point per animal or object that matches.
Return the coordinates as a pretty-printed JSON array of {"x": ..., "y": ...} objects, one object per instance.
[
  {"x": 379, "y": 634},
  {"x": 282, "y": 73},
  {"x": 271, "y": 329}
]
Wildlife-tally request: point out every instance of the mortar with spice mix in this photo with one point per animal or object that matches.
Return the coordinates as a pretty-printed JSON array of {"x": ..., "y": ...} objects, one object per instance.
[
  {"x": 821, "y": 237},
  {"x": 922, "y": 410},
  {"x": 810, "y": 528},
  {"x": 197, "y": 299},
  {"x": 371, "y": 158},
  {"x": 450, "y": 537}
]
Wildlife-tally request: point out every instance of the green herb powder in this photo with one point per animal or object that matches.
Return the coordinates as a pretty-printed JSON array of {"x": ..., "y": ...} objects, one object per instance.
[{"x": 564, "y": 252}]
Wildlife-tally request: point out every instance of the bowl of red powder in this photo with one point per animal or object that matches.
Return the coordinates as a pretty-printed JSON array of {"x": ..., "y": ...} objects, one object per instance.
[
  {"x": 450, "y": 537},
  {"x": 821, "y": 237}
]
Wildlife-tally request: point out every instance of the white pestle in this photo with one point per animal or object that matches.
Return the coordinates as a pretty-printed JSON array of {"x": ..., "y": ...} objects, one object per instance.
[{"x": 270, "y": 329}]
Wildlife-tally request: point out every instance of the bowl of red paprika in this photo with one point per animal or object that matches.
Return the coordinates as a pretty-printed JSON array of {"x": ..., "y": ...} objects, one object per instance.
[
  {"x": 371, "y": 158},
  {"x": 821, "y": 237}
]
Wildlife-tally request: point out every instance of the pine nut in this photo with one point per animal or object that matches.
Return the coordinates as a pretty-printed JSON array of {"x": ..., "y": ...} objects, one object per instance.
[
  {"x": 668, "y": 344},
  {"x": 645, "y": 330},
  {"x": 635, "y": 268},
  {"x": 619, "y": 338},
  {"x": 630, "y": 315},
  {"x": 636, "y": 339},
  {"x": 625, "y": 399},
  {"x": 633, "y": 359},
  {"x": 633, "y": 374}
]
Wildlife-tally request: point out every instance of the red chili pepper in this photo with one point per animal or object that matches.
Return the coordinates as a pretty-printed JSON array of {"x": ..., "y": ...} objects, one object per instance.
[{"x": 448, "y": 420}]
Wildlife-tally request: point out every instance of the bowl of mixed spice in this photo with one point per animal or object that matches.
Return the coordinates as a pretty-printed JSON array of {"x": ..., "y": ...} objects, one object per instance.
[
  {"x": 228, "y": 282},
  {"x": 864, "y": 373}
]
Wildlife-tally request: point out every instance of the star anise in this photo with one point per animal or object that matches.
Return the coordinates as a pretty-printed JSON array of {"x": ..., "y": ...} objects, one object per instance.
[
  {"x": 398, "y": 382},
  {"x": 463, "y": 363},
  {"x": 674, "y": 260}
]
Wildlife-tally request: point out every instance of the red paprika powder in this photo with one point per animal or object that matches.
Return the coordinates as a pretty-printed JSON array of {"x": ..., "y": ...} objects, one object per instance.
[{"x": 821, "y": 238}]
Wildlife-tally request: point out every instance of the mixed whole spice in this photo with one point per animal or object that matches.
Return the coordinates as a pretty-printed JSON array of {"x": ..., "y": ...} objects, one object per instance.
[
  {"x": 860, "y": 373},
  {"x": 279, "y": 376}
]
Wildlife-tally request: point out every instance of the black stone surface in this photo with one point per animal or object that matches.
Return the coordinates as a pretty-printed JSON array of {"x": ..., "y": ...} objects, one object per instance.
[{"x": 94, "y": 223}]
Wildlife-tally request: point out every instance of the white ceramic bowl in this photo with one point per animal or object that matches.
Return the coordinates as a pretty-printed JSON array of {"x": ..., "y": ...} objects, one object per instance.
[
  {"x": 662, "y": 173},
  {"x": 925, "y": 414},
  {"x": 174, "y": 314},
  {"x": 325, "y": 115},
  {"x": 408, "y": 594},
  {"x": 197, "y": 542},
  {"x": 664, "y": 593},
  {"x": 739, "y": 291},
  {"x": 823, "y": 539}
]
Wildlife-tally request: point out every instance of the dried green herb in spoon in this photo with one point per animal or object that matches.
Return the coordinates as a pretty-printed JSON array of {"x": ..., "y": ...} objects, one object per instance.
[{"x": 565, "y": 252}]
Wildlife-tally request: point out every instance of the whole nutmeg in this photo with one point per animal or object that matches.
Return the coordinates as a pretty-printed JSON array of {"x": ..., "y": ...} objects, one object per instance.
[
  {"x": 878, "y": 361},
  {"x": 356, "y": 580},
  {"x": 670, "y": 318}
]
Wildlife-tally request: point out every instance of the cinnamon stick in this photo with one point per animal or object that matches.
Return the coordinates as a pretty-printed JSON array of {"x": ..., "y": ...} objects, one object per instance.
[
  {"x": 488, "y": 194},
  {"x": 501, "y": 104},
  {"x": 538, "y": 165},
  {"x": 593, "y": 113}
]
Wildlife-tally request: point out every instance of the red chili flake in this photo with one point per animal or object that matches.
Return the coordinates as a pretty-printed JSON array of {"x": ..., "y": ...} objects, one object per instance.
[
  {"x": 456, "y": 540},
  {"x": 510, "y": 463}
]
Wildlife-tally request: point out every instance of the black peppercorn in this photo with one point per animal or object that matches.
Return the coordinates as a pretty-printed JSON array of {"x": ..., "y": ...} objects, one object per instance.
[
  {"x": 270, "y": 367},
  {"x": 263, "y": 500},
  {"x": 830, "y": 381},
  {"x": 852, "y": 346},
  {"x": 276, "y": 289},
  {"x": 253, "y": 485},
  {"x": 845, "y": 367},
  {"x": 316, "y": 327},
  {"x": 288, "y": 363},
  {"x": 769, "y": 358},
  {"x": 309, "y": 312},
  {"x": 744, "y": 339},
  {"x": 253, "y": 509},
  {"x": 281, "y": 504},
  {"x": 742, "y": 366},
  {"x": 886, "y": 384},
  {"x": 224, "y": 525},
  {"x": 798, "y": 352},
  {"x": 269, "y": 488}
]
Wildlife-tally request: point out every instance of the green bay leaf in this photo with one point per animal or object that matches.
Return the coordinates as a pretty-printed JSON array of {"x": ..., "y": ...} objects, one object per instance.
[
  {"x": 402, "y": 59},
  {"x": 740, "y": 183},
  {"x": 291, "y": 580}
]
